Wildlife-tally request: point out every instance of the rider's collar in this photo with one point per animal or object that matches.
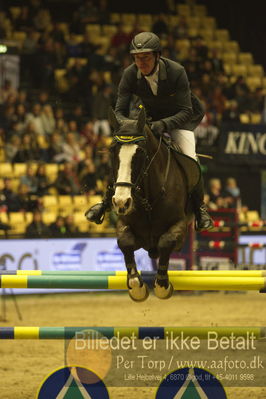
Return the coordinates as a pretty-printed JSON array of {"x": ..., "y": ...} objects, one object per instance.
[{"x": 162, "y": 71}]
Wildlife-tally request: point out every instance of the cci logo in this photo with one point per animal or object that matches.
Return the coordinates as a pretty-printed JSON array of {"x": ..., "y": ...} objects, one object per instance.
[
  {"x": 73, "y": 382},
  {"x": 190, "y": 383}
]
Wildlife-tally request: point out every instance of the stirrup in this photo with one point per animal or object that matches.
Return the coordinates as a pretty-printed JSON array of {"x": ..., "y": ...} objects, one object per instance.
[{"x": 203, "y": 225}]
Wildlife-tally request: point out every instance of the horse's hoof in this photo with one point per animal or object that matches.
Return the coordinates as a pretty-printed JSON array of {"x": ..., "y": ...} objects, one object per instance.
[
  {"x": 139, "y": 294},
  {"x": 162, "y": 292}
]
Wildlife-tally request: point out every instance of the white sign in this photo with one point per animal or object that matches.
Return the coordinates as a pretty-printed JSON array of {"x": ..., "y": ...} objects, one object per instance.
[{"x": 66, "y": 254}]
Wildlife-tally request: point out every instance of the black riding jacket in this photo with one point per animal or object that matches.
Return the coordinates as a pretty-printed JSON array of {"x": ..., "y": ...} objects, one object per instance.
[{"x": 174, "y": 103}]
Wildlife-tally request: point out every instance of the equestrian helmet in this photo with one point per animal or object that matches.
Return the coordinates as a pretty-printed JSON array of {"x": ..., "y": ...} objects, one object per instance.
[{"x": 145, "y": 42}]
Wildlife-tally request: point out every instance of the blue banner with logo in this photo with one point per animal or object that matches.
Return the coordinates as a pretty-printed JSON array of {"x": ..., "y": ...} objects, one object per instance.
[{"x": 242, "y": 144}]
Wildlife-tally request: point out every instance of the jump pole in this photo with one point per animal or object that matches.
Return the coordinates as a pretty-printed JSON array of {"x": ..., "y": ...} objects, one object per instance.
[
  {"x": 177, "y": 273},
  {"x": 120, "y": 282},
  {"x": 60, "y": 333}
]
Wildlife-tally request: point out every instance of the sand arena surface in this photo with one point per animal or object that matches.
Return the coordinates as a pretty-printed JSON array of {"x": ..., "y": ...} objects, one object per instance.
[{"x": 25, "y": 363}]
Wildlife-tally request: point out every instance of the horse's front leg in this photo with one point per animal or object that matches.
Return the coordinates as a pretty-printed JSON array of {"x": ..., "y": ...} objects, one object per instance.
[
  {"x": 137, "y": 289},
  {"x": 173, "y": 238}
]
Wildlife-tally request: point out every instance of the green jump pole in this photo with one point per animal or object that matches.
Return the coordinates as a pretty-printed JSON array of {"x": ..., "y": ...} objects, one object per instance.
[
  {"x": 120, "y": 282},
  {"x": 177, "y": 273}
]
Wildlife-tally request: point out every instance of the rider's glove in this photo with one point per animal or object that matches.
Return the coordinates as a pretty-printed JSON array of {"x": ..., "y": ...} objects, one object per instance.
[{"x": 158, "y": 127}]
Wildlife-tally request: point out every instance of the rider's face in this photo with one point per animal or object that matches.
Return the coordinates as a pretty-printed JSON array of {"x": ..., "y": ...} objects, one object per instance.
[{"x": 145, "y": 62}]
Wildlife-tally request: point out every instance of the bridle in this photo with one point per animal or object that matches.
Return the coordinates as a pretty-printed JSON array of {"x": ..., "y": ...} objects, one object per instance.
[{"x": 144, "y": 171}]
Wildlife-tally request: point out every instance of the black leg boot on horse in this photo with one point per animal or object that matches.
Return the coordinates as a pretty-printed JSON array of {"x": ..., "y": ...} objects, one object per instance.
[
  {"x": 203, "y": 220},
  {"x": 97, "y": 212}
]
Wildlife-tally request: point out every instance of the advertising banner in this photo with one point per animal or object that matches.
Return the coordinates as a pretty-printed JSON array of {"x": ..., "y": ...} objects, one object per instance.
[
  {"x": 66, "y": 254},
  {"x": 243, "y": 144}
]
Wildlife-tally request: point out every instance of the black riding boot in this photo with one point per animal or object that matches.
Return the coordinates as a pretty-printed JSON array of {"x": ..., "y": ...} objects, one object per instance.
[
  {"x": 97, "y": 212},
  {"x": 203, "y": 219}
]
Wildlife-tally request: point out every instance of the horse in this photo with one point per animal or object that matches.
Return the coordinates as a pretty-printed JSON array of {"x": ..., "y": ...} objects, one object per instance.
[{"x": 151, "y": 198}]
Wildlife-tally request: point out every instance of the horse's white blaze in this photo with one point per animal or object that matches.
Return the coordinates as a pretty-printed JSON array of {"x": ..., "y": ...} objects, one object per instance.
[{"x": 124, "y": 173}]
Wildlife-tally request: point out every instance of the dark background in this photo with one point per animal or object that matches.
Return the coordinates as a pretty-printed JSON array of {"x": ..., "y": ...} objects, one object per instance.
[{"x": 246, "y": 22}]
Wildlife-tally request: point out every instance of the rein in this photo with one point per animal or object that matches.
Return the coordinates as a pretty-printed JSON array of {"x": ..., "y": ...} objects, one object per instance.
[{"x": 144, "y": 174}]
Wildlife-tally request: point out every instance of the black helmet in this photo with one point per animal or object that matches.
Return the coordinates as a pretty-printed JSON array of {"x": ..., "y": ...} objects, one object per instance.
[{"x": 145, "y": 42}]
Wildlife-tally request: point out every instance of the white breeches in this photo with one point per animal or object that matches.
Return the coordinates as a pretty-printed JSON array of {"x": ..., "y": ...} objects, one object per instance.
[{"x": 185, "y": 139}]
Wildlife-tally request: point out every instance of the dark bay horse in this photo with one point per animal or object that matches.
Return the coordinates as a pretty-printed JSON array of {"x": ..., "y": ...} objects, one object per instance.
[{"x": 151, "y": 200}]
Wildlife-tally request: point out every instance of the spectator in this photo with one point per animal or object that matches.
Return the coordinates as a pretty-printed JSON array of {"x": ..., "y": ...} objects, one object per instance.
[
  {"x": 55, "y": 151},
  {"x": 71, "y": 148},
  {"x": 217, "y": 62},
  {"x": 22, "y": 98},
  {"x": 257, "y": 100},
  {"x": 103, "y": 166},
  {"x": 87, "y": 178},
  {"x": 206, "y": 132},
  {"x": 76, "y": 114},
  {"x": 47, "y": 119},
  {"x": 180, "y": 30},
  {"x": 21, "y": 118},
  {"x": 58, "y": 228},
  {"x": 87, "y": 47},
  {"x": 30, "y": 179},
  {"x": 73, "y": 46},
  {"x": 57, "y": 33},
  {"x": 8, "y": 118},
  {"x": 120, "y": 39},
  {"x": 215, "y": 193},
  {"x": 87, "y": 153},
  {"x": 24, "y": 201},
  {"x": 6, "y": 90},
  {"x": 43, "y": 183},
  {"x": 67, "y": 182},
  {"x": 240, "y": 92},
  {"x": 30, "y": 46},
  {"x": 201, "y": 48},
  {"x": 34, "y": 117},
  {"x": 103, "y": 100},
  {"x": 37, "y": 229},
  {"x": 232, "y": 193},
  {"x": 231, "y": 113},
  {"x": 23, "y": 22},
  {"x": 43, "y": 98},
  {"x": 8, "y": 197},
  {"x": 73, "y": 129},
  {"x": 71, "y": 229},
  {"x": 42, "y": 20},
  {"x": 78, "y": 69},
  {"x": 159, "y": 26},
  {"x": 87, "y": 13},
  {"x": 217, "y": 101},
  {"x": 28, "y": 151},
  {"x": 12, "y": 147},
  {"x": 88, "y": 135}
]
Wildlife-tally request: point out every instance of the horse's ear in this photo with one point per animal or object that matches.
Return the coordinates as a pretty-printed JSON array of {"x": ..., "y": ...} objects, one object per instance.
[
  {"x": 141, "y": 120},
  {"x": 113, "y": 119}
]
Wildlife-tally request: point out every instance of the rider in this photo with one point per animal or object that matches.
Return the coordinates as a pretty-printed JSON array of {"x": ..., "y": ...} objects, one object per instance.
[{"x": 163, "y": 88}]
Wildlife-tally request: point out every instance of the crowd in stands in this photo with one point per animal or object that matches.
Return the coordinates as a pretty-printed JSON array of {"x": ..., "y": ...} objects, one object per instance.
[
  {"x": 62, "y": 227},
  {"x": 223, "y": 196},
  {"x": 59, "y": 113}
]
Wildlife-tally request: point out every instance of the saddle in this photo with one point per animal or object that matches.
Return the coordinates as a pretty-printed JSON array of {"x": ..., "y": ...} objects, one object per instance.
[{"x": 189, "y": 166}]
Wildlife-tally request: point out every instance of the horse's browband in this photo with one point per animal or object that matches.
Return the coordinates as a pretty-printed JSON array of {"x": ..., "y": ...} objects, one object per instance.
[{"x": 129, "y": 139}]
